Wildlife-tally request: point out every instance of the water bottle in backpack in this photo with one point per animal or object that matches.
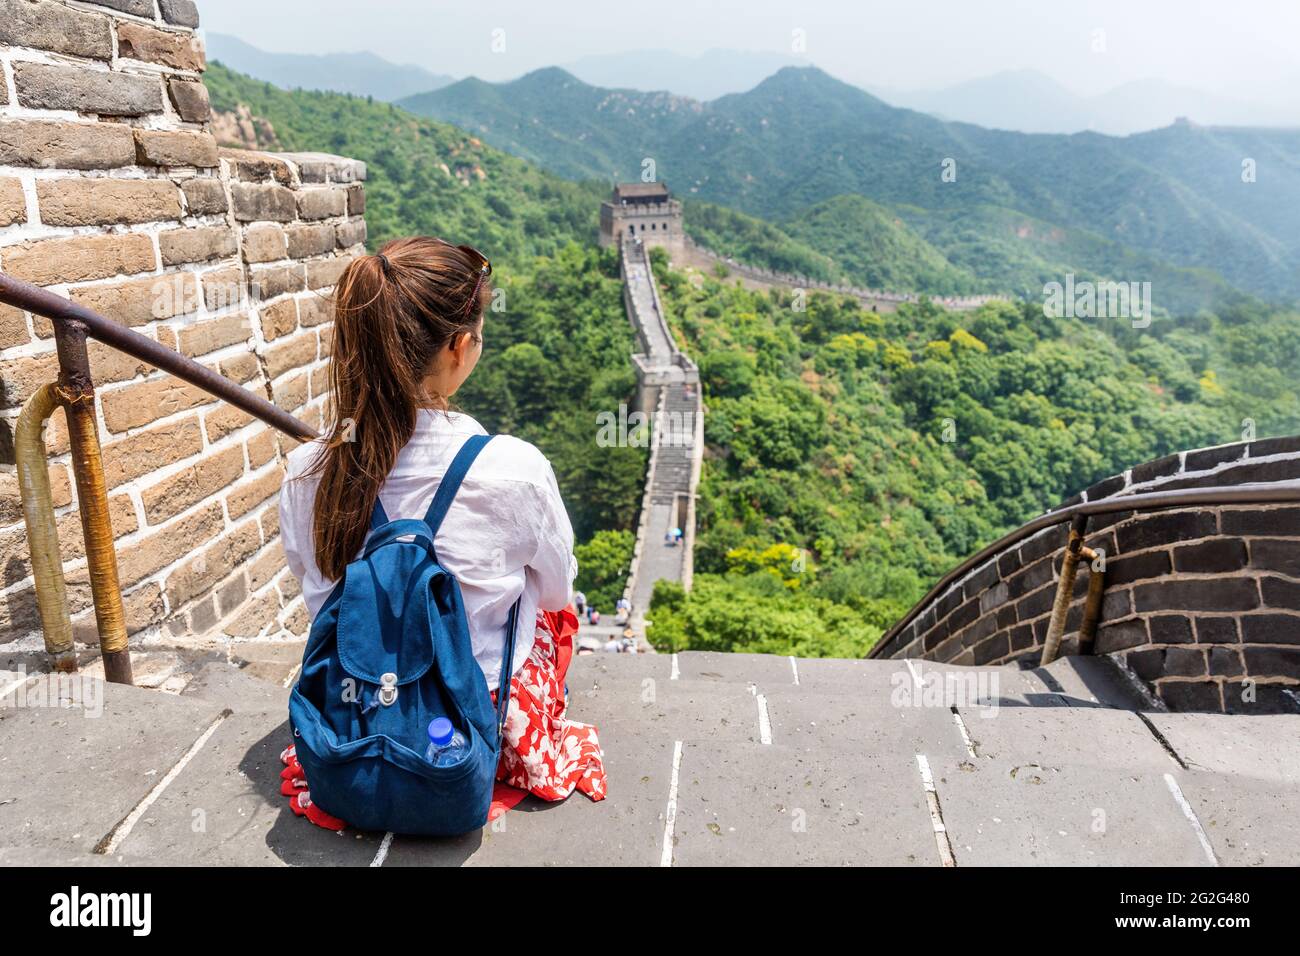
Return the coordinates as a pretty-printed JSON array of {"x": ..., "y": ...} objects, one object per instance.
[{"x": 447, "y": 745}]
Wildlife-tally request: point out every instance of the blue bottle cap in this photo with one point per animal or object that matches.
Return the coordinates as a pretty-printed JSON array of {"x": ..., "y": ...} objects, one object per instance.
[{"x": 441, "y": 731}]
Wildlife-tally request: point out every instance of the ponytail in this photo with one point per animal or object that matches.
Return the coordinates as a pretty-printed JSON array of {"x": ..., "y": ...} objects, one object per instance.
[{"x": 393, "y": 314}]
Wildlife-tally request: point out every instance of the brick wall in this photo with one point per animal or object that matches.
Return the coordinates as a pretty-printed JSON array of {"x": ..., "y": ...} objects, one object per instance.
[
  {"x": 1202, "y": 604},
  {"x": 113, "y": 193}
]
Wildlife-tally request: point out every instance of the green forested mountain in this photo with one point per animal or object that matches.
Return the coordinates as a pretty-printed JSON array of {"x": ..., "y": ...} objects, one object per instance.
[
  {"x": 851, "y": 457},
  {"x": 1174, "y": 196}
]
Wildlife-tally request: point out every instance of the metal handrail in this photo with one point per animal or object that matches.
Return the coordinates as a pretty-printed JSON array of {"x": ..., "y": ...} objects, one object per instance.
[
  {"x": 75, "y": 392},
  {"x": 1252, "y": 493},
  {"x": 72, "y": 318}
]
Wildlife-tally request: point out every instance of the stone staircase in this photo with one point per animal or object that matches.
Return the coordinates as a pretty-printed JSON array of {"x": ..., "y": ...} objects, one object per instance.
[{"x": 712, "y": 759}]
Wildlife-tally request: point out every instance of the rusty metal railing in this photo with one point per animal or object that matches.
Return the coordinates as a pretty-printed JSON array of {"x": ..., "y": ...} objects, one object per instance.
[
  {"x": 1077, "y": 515},
  {"x": 75, "y": 393}
]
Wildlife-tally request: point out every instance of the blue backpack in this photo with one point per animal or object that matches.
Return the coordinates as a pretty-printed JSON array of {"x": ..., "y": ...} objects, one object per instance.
[{"x": 388, "y": 652}]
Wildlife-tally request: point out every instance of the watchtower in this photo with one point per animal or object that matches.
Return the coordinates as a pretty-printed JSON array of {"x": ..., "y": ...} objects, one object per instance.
[{"x": 645, "y": 211}]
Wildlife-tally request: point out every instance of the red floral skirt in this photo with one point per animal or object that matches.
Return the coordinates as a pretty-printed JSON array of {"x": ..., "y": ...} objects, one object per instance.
[{"x": 544, "y": 752}]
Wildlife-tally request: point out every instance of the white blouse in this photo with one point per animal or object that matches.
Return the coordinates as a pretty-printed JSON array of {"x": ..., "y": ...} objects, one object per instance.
[{"x": 505, "y": 534}]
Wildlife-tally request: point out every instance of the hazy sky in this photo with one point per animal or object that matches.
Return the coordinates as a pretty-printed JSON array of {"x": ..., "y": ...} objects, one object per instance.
[{"x": 1247, "y": 48}]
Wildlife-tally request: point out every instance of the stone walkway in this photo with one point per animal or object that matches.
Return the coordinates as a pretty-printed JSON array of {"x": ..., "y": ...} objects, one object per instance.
[{"x": 712, "y": 759}]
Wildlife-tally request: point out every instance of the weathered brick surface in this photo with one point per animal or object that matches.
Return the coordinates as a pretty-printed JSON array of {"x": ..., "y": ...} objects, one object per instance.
[
  {"x": 189, "y": 463},
  {"x": 79, "y": 258},
  {"x": 13, "y": 203},
  {"x": 175, "y": 148},
  {"x": 55, "y": 27},
  {"x": 179, "y": 246},
  {"x": 66, "y": 87},
  {"x": 204, "y": 197},
  {"x": 172, "y": 48},
  {"x": 1202, "y": 603},
  {"x": 99, "y": 202},
  {"x": 190, "y": 100}
]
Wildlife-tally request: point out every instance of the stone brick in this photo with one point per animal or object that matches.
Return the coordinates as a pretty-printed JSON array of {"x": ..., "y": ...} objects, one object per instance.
[
  {"x": 1226, "y": 662},
  {"x": 1270, "y": 522},
  {"x": 139, "y": 8},
  {"x": 175, "y": 148},
  {"x": 181, "y": 13},
  {"x": 223, "y": 420},
  {"x": 13, "y": 204},
  {"x": 351, "y": 233},
  {"x": 1209, "y": 557},
  {"x": 254, "y": 166},
  {"x": 270, "y": 518},
  {"x": 290, "y": 354},
  {"x": 1270, "y": 629},
  {"x": 181, "y": 51},
  {"x": 270, "y": 282},
  {"x": 216, "y": 562},
  {"x": 263, "y": 203},
  {"x": 49, "y": 144},
  {"x": 1121, "y": 636},
  {"x": 1274, "y": 555},
  {"x": 13, "y": 327},
  {"x": 315, "y": 310},
  {"x": 357, "y": 200},
  {"x": 266, "y": 566},
  {"x": 139, "y": 301},
  {"x": 1137, "y": 567},
  {"x": 1153, "y": 530},
  {"x": 326, "y": 337},
  {"x": 306, "y": 241},
  {"x": 143, "y": 402},
  {"x": 324, "y": 273},
  {"x": 1217, "y": 630},
  {"x": 20, "y": 377},
  {"x": 1159, "y": 468},
  {"x": 206, "y": 477},
  {"x": 56, "y": 28},
  {"x": 121, "y": 516},
  {"x": 129, "y": 458},
  {"x": 63, "y": 87},
  {"x": 1271, "y": 661},
  {"x": 1170, "y": 629},
  {"x": 255, "y": 619},
  {"x": 1214, "y": 594},
  {"x": 292, "y": 394},
  {"x": 213, "y": 334},
  {"x": 204, "y": 197},
  {"x": 108, "y": 365},
  {"x": 1280, "y": 593},
  {"x": 279, "y": 318},
  {"x": 78, "y": 258},
  {"x": 233, "y": 593},
  {"x": 261, "y": 448},
  {"x": 241, "y": 368},
  {"x": 1252, "y": 697},
  {"x": 264, "y": 242},
  {"x": 224, "y": 289},
  {"x": 198, "y": 244},
  {"x": 1185, "y": 662},
  {"x": 102, "y": 202},
  {"x": 246, "y": 496},
  {"x": 322, "y": 203},
  {"x": 1190, "y": 695},
  {"x": 190, "y": 100}
]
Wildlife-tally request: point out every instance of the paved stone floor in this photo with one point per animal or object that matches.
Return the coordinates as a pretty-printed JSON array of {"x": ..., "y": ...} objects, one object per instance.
[{"x": 712, "y": 759}]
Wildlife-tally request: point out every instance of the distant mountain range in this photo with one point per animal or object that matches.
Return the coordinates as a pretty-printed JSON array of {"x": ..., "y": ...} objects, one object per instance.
[
  {"x": 363, "y": 74},
  {"x": 1031, "y": 102},
  {"x": 1123, "y": 207}
]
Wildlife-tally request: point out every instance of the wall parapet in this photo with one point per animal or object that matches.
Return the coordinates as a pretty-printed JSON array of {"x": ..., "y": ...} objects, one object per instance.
[
  {"x": 1202, "y": 604},
  {"x": 114, "y": 194}
]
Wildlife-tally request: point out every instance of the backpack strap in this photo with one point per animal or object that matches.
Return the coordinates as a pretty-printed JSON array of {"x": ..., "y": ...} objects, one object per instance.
[
  {"x": 507, "y": 672},
  {"x": 450, "y": 483}
]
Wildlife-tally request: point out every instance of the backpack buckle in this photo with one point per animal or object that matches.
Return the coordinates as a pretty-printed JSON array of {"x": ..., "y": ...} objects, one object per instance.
[{"x": 387, "y": 689}]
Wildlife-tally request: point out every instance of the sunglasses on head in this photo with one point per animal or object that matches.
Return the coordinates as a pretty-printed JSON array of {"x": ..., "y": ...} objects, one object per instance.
[{"x": 484, "y": 271}]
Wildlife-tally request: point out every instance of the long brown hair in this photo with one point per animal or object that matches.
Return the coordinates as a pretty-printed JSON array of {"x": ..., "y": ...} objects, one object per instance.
[{"x": 394, "y": 312}]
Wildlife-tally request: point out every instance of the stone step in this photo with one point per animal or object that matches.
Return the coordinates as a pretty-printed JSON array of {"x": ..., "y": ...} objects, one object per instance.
[{"x": 237, "y": 688}]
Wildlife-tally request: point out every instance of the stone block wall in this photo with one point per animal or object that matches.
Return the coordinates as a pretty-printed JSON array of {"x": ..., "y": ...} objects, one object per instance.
[
  {"x": 113, "y": 193},
  {"x": 1202, "y": 604}
]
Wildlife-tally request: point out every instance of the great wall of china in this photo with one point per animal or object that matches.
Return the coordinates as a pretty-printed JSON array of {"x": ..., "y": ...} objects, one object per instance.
[{"x": 949, "y": 747}]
